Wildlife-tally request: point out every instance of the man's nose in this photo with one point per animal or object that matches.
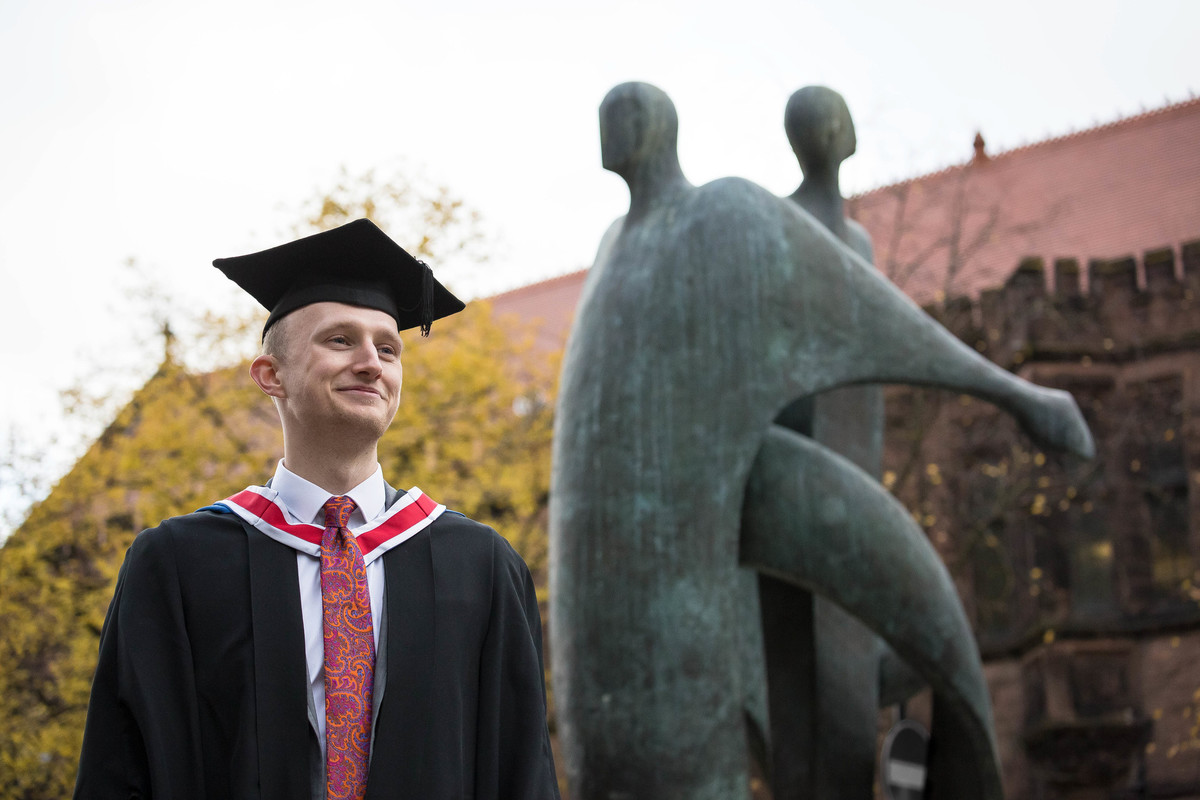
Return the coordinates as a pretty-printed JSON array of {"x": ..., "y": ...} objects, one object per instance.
[{"x": 368, "y": 362}]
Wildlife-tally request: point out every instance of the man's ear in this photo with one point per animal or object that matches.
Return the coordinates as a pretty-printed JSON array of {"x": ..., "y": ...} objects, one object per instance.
[{"x": 264, "y": 371}]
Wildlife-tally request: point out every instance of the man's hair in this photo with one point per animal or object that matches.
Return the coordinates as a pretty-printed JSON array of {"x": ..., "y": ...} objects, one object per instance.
[{"x": 276, "y": 341}]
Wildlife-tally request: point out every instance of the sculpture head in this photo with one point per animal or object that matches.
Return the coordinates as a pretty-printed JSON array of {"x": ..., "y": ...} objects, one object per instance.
[
  {"x": 638, "y": 124},
  {"x": 819, "y": 128}
]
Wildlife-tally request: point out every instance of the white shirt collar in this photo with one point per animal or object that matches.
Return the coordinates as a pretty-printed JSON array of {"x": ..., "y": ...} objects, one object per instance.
[{"x": 305, "y": 501}]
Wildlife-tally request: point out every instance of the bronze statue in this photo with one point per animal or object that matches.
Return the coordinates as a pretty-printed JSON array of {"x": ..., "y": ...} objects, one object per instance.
[{"x": 709, "y": 310}]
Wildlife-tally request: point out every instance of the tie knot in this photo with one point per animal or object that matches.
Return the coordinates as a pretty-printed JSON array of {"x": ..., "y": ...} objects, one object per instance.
[{"x": 338, "y": 510}]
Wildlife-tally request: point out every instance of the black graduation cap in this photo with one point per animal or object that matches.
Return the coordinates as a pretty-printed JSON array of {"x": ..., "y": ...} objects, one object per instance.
[{"x": 355, "y": 263}]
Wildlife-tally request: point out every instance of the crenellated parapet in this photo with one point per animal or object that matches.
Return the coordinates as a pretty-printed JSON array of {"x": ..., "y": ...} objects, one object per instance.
[{"x": 1109, "y": 310}]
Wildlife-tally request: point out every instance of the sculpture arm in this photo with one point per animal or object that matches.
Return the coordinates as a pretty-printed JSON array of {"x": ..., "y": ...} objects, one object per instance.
[{"x": 875, "y": 334}]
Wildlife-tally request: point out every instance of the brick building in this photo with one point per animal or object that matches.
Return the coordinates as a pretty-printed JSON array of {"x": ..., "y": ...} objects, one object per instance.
[{"x": 1075, "y": 262}]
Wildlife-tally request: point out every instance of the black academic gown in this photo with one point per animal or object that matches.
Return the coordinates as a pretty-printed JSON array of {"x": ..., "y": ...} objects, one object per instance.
[{"x": 201, "y": 690}]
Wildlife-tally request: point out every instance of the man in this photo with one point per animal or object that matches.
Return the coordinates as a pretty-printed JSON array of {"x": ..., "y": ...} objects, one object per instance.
[{"x": 325, "y": 635}]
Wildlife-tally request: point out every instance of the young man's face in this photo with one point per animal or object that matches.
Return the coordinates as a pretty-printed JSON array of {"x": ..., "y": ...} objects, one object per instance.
[{"x": 340, "y": 366}]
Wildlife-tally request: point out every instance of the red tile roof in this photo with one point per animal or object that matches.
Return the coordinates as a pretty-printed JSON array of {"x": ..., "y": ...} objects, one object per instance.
[
  {"x": 1119, "y": 189},
  {"x": 549, "y": 304},
  {"x": 1116, "y": 190}
]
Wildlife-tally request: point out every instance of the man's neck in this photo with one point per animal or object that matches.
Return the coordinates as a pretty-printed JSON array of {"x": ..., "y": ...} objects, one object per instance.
[{"x": 336, "y": 470}]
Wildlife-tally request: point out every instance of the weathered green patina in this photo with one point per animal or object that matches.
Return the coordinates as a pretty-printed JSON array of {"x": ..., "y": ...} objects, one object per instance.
[{"x": 708, "y": 311}]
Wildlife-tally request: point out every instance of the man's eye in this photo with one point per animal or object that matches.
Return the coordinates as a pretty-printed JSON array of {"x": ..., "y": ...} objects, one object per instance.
[
  {"x": 339, "y": 340},
  {"x": 387, "y": 350}
]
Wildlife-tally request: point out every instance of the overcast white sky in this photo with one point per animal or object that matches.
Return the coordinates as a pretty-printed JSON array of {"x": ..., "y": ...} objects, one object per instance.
[{"x": 177, "y": 132}]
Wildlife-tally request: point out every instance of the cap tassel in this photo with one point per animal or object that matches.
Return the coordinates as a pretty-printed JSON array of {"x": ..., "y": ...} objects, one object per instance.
[{"x": 426, "y": 309}]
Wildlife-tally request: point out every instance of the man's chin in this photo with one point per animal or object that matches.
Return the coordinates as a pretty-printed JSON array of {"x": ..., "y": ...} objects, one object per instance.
[{"x": 361, "y": 422}]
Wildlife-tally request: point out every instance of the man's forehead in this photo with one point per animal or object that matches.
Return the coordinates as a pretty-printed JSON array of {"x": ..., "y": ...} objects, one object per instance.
[{"x": 316, "y": 316}]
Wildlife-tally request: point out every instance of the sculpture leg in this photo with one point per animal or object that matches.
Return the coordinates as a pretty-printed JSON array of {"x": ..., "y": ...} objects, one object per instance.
[
  {"x": 950, "y": 759},
  {"x": 848, "y": 421},
  {"x": 876, "y": 564},
  {"x": 848, "y": 712},
  {"x": 822, "y": 668},
  {"x": 823, "y": 743},
  {"x": 790, "y": 653}
]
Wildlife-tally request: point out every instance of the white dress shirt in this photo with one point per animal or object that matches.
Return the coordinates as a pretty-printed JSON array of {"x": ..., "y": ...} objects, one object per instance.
[{"x": 303, "y": 502}]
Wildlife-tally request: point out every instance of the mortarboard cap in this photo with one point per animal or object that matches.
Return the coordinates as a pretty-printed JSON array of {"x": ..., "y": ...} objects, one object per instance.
[{"x": 355, "y": 263}]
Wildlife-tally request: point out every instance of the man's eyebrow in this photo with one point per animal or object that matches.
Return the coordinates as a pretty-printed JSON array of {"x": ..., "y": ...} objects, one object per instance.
[
  {"x": 358, "y": 327},
  {"x": 335, "y": 324}
]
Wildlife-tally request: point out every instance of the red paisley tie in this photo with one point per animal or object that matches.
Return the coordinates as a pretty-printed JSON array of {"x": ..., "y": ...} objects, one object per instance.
[{"x": 349, "y": 655}]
